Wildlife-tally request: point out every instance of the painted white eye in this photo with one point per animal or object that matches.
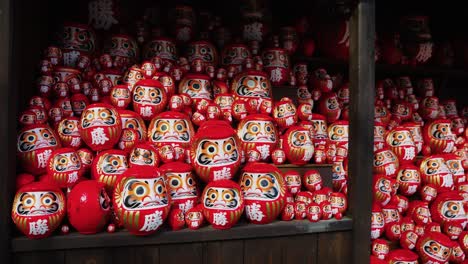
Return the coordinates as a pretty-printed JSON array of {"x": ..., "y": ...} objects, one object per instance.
[
  {"x": 227, "y": 196},
  {"x": 29, "y": 201},
  {"x": 175, "y": 183}
]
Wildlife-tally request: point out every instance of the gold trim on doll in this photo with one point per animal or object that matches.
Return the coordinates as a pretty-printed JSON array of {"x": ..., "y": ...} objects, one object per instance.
[
  {"x": 134, "y": 123},
  {"x": 434, "y": 166},
  {"x": 221, "y": 198},
  {"x": 182, "y": 185},
  {"x": 142, "y": 156},
  {"x": 258, "y": 131},
  {"x": 260, "y": 186},
  {"x": 196, "y": 88},
  {"x": 171, "y": 130},
  {"x": 453, "y": 210},
  {"x": 36, "y": 138},
  {"x": 409, "y": 175},
  {"x": 38, "y": 203},
  {"x": 145, "y": 194},
  {"x": 252, "y": 86},
  {"x": 300, "y": 138},
  {"x": 399, "y": 138},
  {"x": 217, "y": 152},
  {"x": 66, "y": 162},
  {"x": 98, "y": 116},
  {"x": 441, "y": 131}
]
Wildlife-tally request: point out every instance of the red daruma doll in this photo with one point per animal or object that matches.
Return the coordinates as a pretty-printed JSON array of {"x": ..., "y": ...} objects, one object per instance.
[
  {"x": 181, "y": 184},
  {"x": 100, "y": 126},
  {"x": 65, "y": 167},
  {"x": 438, "y": 136},
  {"x": 298, "y": 145},
  {"x": 222, "y": 203},
  {"x": 108, "y": 166},
  {"x": 385, "y": 162},
  {"x": 38, "y": 209},
  {"x": 69, "y": 133},
  {"x": 401, "y": 143},
  {"x": 216, "y": 152},
  {"x": 434, "y": 247},
  {"x": 263, "y": 190},
  {"x": 149, "y": 98},
  {"x": 141, "y": 200},
  {"x": 434, "y": 171},
  {"x": 258, "y": 132},
  {"x": 35, "y": 144}
]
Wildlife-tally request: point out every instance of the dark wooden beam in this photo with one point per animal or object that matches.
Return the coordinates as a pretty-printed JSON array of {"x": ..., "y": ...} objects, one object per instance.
[
  {"x": 7, "y": 130},
  {"x": 362, "y": 80}
]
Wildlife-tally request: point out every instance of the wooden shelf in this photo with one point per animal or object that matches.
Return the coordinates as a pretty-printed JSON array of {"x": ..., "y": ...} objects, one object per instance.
[
  {"x": 424, "y": 70},
  {"x": 165, "y": 236}
]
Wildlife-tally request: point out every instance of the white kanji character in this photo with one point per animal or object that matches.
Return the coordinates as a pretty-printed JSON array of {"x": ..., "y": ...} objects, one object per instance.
[
  {"x": 224, "y": 174},
  {"x": 264, "y": 151},
  {"x": 409, "y": 154},
  {"x": 42, "y": 158},
  {"x": 275, "y": 75},
  {"x": 39, "y": 227},
  {"x": 390, "y": 169},
  {"x": 307, "y": 155},
  {"x": 447, "y": 180},
  {"x": 412, "y": 189},
  {"x": 253, "y": 212},
  {"x": 220, "y": 218},
  {"x": 289, "y": 121},
  {"x": 253, "y": 31},
  {"x": 101, "y": 14},
  {"x": 146, "y": 111},
  {"x": 449, "y": 147},
  {"x": 98, "y": 136},
  {"x": 152, "y": 221},
  {"x": 186, "y": 206},
  {"x": 75, "y": 142},
  {"x": 374, "y": 233},
  {"x": 70, "y": 58},
  {"x": 72, "y": 177}
]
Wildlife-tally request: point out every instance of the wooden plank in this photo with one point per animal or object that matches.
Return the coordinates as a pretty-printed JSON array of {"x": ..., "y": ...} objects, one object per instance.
[
  {"x": 49, "y": 257},
  {"x": 181, "y": 253},
  {"x": 136, "y": 255},
  {"x": 7, "y": 129},
  {"x": 335, "y": 247},
  {"x": 361, "y": 133},
  {"x": 299, "y": 249},
  {"x": 165, "y": 236},
  {"x": 227, "y": 252},
  {"x": 89, "y": 256},
  {"x": 264, "y": 250}
]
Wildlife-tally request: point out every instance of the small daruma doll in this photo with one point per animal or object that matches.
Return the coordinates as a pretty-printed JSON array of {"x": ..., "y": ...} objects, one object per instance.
[
  {"x": 65, "y": 167},
  {"x": 143, "y": 154},
  {"x": 181, "y": 184},
  {"x": 263, "y": 190},
  {"x": 434, "y": 247},
  {"x": 330, "y": 107},
  {"x": 438, "y": 136},
  {"x": 38, "y": 209},
  {"x": 100, "y": 126},
  {"x": 258, "y": 132},
  {"x": 141, "y": 200},
  {"x": 285, "y": 113},
  {"x": 385, "y": 162},
  {"x": 172, "y": 128},
  {"x": 88, "y": 207},
  {"x": 312, "y": 180},
  {"x": 216, "y": 152},
  {"x": 298, "y": 145},
  {"x": 400, "y": 141},
  {"x": 35, "y": 144},
  {"x": 69, "y": 133},
  {"x": 449, "y": 207},
  {"x": 222, "y": 203},
  {"x": 120, "y": 96},
  {"x": 149, "y": 98},
  {"x": 408, "y": 179},
  {"x": 292, "y": 179},
  {"x": 108, "y": 165},
  {"x": 434, "y": 171}
]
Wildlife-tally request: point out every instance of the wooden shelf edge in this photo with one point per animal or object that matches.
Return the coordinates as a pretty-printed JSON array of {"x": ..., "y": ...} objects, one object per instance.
[{"x": 166, "y": 236}]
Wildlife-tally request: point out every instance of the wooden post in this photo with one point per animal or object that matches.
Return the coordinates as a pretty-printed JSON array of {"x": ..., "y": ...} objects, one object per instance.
[
  {"x": 7, "y": 131},
  {"x": 361, "y": 134}
]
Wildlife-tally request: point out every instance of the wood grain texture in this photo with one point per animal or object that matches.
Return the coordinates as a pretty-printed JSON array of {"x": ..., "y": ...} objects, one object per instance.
[
  {"x": 143, "y": 255},
  {"x": 299, "y": 249},
  {"x": 227, "y": 252},
  {"x": 49, "y": 257},
  {"x": 334, "y": 248},
  {"x": 89, "y": 256},
  {"x": 264, "y": 250},
  {"x": 181, "y": 253}
]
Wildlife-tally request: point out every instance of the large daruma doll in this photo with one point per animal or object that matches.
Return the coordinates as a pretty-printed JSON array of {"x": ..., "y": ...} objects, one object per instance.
[
  {"x": 38, "y": 209},
  {"x": 258, "y": 132},
  {"x": 263, "y": 189},
  {"x": 149, "y": 98},
  {"x": 35, "y": 144},
  {"x": 181, "y": 184},
  {"x": 100, "y": 126},
  {"x": 172, "y": 128},
  {"x": 298, "y": 145},
  {"x": 141, "y": 201},
  {"x": 216, "y": 152},
  {"x": 222, "y": 203}
]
